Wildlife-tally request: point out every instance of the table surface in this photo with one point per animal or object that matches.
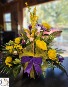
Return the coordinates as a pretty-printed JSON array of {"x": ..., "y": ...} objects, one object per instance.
[{"x": 54, "y": 78}]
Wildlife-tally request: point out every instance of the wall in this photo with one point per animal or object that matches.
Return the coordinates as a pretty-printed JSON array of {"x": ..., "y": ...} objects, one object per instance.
[{"x": 1, "y": 17}]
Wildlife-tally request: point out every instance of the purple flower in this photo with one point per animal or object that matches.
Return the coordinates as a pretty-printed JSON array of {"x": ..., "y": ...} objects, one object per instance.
[
  {"x": 41, "y": 27},
  {"x": 23, "y": 43},
  {"x": 60, "y": 58},
  {"x": 30, "y": 27}
]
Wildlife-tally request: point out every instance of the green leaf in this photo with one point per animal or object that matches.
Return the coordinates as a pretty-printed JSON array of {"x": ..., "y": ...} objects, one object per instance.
[
  {"x": 16, "y": 70},
  {"x": 60, "y": 66},
  {"x": 56, "y": 33},
  {"x": 60, "y": 51},
  {"x": 5, "y": 69}
]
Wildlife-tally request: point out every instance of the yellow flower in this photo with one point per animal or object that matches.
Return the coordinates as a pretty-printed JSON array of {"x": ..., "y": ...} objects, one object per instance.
[
  {"x": 46, "y": 25},
  {"x": 17, "y": 40},
  {"x": 8, "y": 61},
  {"x": 33, "y": 18},
  {"x": 9, "y": 48},
  {"x": 41, "y": 44},
  {"x": 19, "y": 47},
  {"x": 52, "y": 54},
  {"x": 15, "y": 45}
]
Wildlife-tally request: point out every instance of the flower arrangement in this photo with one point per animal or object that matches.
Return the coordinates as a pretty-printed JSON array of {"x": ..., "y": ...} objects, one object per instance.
[{"x": 32, "y": 50}]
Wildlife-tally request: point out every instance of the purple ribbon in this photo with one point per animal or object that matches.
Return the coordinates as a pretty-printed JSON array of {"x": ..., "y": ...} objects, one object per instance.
[{"x": 32, "y": 61}]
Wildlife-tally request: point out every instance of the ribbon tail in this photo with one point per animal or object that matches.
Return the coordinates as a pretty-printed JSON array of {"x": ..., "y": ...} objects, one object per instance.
[
  {"x": 28, "y": 68},
  {"x": 37, "y": 69}
]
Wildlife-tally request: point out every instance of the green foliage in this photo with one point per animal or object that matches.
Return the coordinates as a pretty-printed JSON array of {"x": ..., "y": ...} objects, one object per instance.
[
  {"x": 16, "y": 70},
  {"x": 61, "y": 67},
  {"x": 4, "y": 69}
]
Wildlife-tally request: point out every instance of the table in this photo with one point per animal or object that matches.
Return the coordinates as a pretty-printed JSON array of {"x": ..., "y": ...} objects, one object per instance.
[{"x": 54, "y": 78}]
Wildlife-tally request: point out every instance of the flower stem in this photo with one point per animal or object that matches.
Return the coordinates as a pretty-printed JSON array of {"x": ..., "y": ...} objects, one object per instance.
[{"x": 34, "y": 45}]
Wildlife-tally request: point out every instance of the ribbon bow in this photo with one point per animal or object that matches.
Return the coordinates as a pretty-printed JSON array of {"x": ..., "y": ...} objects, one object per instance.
[{"x": 32, "y": 61}]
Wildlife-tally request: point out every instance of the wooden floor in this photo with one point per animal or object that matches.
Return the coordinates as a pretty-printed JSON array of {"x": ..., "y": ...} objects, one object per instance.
[{"x": 53, "y": 79}]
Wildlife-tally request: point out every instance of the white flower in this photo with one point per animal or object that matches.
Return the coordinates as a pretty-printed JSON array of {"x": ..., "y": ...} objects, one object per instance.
[
  {"x": 38, "y": 28},
  {"x": 15, "y": 52}
]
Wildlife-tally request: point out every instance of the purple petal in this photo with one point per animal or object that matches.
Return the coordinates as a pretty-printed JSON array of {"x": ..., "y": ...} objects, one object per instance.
[
  {"x": 60, "y": 58},
  {"x": 30, "y": 27}
]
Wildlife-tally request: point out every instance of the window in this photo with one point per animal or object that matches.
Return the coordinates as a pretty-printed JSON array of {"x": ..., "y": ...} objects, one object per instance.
[
  {"x": 7, "y": 22},
  {"x": 55, "y": 13}
]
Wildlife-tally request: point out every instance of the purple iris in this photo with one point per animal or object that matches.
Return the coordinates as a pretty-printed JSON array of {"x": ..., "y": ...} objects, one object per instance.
[
  {"x": 60, "y": 58},
  {"x": 42, "y": 27},
  {"x": 32, "y": 61}
]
